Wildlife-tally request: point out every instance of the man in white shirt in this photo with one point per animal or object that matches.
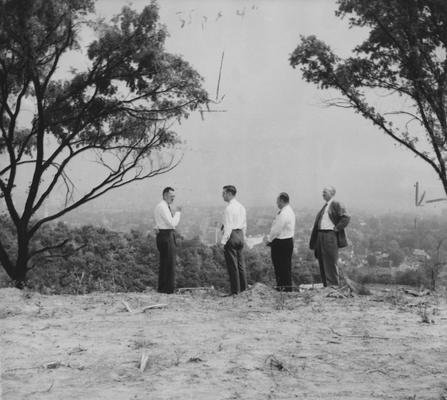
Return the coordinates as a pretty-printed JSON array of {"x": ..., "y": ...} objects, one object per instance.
[
  {"x": 234, "y": 227},
  {"x": 328, "y": 235},
  {"x": 165, "y": 223},
  {"x": 280, "y": 241}
]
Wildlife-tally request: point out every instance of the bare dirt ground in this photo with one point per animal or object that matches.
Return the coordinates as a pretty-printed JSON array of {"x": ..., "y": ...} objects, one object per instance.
[{"x": 259, "y": 345}]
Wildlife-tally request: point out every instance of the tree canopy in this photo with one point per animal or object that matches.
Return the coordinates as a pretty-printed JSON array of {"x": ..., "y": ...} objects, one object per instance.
[
  {"x": 404, "y": 56},
  {"x": 121, "y": 108}
]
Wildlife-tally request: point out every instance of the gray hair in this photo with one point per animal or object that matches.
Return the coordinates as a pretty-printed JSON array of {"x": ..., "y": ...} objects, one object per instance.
[{"x": 331, "y": 189}]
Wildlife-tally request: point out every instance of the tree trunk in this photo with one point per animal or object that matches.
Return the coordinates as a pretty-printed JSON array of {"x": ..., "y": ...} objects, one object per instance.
[
  {"x": 20, "y": 274},
  {"x": 6, "y": 262},
  {"x": 444, "y": 182},
  {"x": 21, "y": 267}
]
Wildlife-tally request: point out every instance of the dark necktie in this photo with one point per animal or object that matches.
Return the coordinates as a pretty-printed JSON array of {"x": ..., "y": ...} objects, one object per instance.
[{"x": 169, "y": 206}]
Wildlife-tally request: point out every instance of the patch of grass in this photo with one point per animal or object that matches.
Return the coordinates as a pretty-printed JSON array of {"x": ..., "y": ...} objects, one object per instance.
[
  {"x": 363, "y": 290},
  {"x": 274, "y": 363},
  {"x": 307, "y": 297},
  {"x": 395, "y": 297},
  {"x": 178, "y": 353},
  {"x": 424, "y": 313},
  {"x": 367, "y": 275},
  {"x": 280, "y": 300}
]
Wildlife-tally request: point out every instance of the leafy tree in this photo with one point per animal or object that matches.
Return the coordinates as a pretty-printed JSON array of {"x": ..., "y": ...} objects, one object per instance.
[
  {"x": 377, "y": 243},
  {"x": 107, "y": 260},
  {"x": 371, "y": 259},
  {"x": 404, "y": 55},
  {"x": 120, "y": 109},
  {"x": 397, "y": 256},
  {"x": 259, "y": 266},
  {"x": 392, "y": 245},
  {"x": 429, "y": 242}
]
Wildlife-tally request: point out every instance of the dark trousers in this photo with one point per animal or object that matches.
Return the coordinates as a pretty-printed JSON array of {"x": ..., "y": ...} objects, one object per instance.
[
  {"x": 327, "y": 254},
  {"x": 282, "y": 250},
  {"x": 235, "y": 261},
  {"x": 166, "y": 274}
]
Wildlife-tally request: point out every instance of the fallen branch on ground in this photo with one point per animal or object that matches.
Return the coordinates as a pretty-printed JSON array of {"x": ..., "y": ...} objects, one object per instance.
[
  {"x": 21, "y": 369},
  {"x": 415, "y": 293},
  {"x": 151, "y": 307},
  {"x": 337, "y": 294},
  {"x": 144, "y": 360},
  {"x": 141, "y": 310},
  {"x": 366, "y": 336},
  {"x": 126, "y": 304},
  {"x": 78, "y": 349},
  {"x": 370, "y": 371},
  {"x": 54, "y": 365},
  {"x": 42, "y": 391},
  {"x": 188, "y": 289},
  {"x": 51, "y": 387}
]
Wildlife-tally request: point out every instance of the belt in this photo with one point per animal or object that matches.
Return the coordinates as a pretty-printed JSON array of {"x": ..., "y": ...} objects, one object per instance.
[
  {"x": 326, "y": 230},
  {"x": 166, "y": 230},
  {"x": 237, "y": 230}
]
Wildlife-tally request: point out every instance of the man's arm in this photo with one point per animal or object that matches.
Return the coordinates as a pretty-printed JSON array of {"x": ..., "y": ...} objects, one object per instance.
[
  {"x": 168, "y": 219},
  {"x": 343, "y": 217},
  {"x": 276, "y": 228},
  {"x": 226, "y": 227},
  {"x": 244, "y": 226},
  {"x": 176, "y": 219}
]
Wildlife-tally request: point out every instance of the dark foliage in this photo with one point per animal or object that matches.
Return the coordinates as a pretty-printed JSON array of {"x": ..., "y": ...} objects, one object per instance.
[
  {"x": 120, "y": 110},
  {"x": 403, "y": 56},
  {"x": 96, "y": 258},
  {"x": 384, "y": 276}
]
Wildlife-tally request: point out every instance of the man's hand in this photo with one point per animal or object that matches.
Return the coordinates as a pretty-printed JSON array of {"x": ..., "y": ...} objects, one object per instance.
[{"x": 179, "y": 209}]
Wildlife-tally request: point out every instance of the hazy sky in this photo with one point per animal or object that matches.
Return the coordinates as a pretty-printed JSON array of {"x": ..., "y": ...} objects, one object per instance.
[{"x": 275, "y": 134}]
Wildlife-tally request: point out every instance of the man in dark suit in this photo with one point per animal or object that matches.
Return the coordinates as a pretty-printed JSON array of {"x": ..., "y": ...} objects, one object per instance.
[{"x": 328, "y": 235}]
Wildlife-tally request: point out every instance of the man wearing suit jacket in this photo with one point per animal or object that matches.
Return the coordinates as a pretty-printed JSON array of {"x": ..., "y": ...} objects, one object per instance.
[{"x": 328, "y": 235}]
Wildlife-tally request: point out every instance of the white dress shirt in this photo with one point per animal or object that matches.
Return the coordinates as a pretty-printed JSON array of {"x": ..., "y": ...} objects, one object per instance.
[
  {"x": 164, "y": 218},
  {"x": 283, "y": 226},
  {"x": 234, "y": 217},
  {"x": 326, "y": 223}
]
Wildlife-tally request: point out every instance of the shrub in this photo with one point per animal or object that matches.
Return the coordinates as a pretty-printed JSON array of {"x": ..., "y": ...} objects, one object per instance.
[{"x": 385, "y": 276}]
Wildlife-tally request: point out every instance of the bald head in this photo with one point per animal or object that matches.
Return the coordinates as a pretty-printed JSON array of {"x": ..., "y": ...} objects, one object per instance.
[{"x": 328, "y": 193}]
